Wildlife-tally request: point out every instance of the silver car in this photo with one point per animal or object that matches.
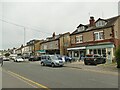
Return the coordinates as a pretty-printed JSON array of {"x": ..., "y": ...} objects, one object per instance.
[{"x": 51, "y": 60}]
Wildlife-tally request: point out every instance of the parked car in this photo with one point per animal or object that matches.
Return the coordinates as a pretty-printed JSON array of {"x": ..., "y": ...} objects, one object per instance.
[
  {"x": 13, "y": 56},
  {"x": 6, "y": 58},
  {"x": 51, "y": 60},
  {"x": 94, "y": 59},
  {"x": 32, "y": 58},
  {"x": 65, "y": 58},
  {"x": 19, "y": 59},
  {"x": 38, "y": 58}
]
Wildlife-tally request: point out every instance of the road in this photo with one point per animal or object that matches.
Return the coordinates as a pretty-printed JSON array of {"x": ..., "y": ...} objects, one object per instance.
[{"x": 33, "y": 75}]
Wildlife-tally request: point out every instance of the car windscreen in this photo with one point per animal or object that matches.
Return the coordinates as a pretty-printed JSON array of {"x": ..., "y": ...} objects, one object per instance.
[
  {"x": 54, "y": 57},
  {"x": 18, "y": 57}
]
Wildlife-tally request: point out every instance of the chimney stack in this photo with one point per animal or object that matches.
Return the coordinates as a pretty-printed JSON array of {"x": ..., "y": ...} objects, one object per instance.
[
  {"x": 53, "y": 34},
  {"x": 92, "y": 21}
]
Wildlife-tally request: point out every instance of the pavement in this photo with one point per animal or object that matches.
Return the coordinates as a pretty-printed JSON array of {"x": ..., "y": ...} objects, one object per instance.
[{"x": 104, "y": 68}]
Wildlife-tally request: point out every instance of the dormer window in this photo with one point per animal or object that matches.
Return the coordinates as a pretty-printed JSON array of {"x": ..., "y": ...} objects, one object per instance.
[
  {"x": 82, "y": 28},
  {"x": 100, "y": 23}
]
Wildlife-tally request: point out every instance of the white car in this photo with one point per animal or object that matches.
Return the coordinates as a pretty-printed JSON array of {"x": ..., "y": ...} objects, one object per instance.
[
  {"x": 6, "y": 58},
  {"x": 19, "y": 59}
]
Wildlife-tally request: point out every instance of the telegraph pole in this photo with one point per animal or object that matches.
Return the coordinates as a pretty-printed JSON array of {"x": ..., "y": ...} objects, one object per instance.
[
  {"x": 24, "y": 35},
  {"x": 24, "y": 40}
]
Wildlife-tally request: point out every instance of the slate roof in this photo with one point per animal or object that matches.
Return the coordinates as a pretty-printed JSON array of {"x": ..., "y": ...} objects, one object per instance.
[{"x": 110, "y": 22}]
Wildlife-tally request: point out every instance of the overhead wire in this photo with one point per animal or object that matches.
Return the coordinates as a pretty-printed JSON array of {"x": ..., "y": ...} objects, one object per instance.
[{"x": 31, "y": 28}]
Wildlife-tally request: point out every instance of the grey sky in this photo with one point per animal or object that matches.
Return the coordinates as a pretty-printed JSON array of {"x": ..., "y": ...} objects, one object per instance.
[{"x": 48, "y": 17}]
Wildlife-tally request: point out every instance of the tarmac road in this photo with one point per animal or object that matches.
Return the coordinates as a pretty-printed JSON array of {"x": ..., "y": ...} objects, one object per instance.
[{"x": 33, "y": 75}]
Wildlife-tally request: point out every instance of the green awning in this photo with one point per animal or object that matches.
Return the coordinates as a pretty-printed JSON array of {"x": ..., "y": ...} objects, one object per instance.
[
  {"x": 41, "y": 51},
  {"x": 100, "y": 46}
]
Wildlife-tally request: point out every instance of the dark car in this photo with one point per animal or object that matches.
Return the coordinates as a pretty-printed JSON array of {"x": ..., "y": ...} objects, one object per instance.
[
  {"x": 38, "y": 58},
  {"x": 94, "y": 59},
  {"x": 34, "y": 58},
  {"x": 65, "y": 58}
]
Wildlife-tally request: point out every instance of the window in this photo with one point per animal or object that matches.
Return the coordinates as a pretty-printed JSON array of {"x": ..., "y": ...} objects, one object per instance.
[
  {"x": 73, "y": 40},
  {"x": 99, "y": 51},
  {"x": 76, "y": 53},
  {"x": 81, "y": 28},
  {"x": 116, "y": 33},
  {"x": 91, "y": 51},
  {"x": 98, "y": 35},
  {"x": 95, "y": 51},
  {"x": 79, "y": 39},
  {"x": 66, "y": 44},
  {"x": 43, "y": 57},
  {"x": 100, "y": 23}
]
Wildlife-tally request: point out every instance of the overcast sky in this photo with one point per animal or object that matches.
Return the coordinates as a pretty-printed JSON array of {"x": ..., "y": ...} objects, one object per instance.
[{"x": 41, "y": 19}]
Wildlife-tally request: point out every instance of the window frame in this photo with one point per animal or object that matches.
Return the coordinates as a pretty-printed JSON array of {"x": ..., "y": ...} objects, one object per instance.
[
  {"x": 79, "y": 39},
  {"x": 81, "y": 28},
  {"x": 100, "y": 23},
  {"x": 98, "y": 35}
]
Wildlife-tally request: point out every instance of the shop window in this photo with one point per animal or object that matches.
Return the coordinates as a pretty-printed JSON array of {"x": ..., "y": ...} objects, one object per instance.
[
  {"x": 76, "y": 54},
  {"x": 104, "y": 52},
  {"x": 91, "y": 51},
  {"x": 99, "y": 51},
  {"x": 95, "y": 51}
]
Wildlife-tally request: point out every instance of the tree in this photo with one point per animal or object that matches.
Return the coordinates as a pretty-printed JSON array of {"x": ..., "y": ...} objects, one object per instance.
[{"x": 117, "y": 56}]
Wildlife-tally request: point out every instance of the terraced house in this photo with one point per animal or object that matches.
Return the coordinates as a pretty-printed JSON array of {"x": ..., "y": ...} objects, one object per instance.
[
  {"x": 98, "y": 37},
  {"x": 57, "y": 44}
]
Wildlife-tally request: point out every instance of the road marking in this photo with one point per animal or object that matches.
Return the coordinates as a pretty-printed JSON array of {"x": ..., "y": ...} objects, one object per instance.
[
  {"x": 27, "y": 80},
  {"x": 23, "y": 80}
]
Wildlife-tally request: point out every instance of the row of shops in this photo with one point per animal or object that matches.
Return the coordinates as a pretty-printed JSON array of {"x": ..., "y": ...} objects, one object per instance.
[{"x": 105, "y": 50}]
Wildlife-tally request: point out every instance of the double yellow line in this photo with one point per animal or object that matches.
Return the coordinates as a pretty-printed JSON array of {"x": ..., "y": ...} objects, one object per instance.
[{"x": 26, "y": 80}]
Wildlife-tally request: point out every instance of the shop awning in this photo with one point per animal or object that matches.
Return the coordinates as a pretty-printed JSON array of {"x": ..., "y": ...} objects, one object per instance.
[
  {"x": 41, "y": 51},
  {"x": 100, "y": 46},
  {"x": 76, "y": 48}
]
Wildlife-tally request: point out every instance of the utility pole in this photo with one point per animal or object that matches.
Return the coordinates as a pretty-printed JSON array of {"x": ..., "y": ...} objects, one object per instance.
[{"x": 24, "y": 40}]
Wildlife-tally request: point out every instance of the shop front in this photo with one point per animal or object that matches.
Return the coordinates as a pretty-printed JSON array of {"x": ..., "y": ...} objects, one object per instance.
[
  {"x": 76, "y": 52},
  {"x": 105, "y": 50},
  {"x": 40, "y": 52}
]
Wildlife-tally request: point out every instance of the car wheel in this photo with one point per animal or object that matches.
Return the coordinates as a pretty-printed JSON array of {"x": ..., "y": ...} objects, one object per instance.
[
  {"x": 61, "y": 65},
  {"x": 53, "y": 65},
  {"x": 85, "y": 63},
  {"x": 95, "y": 63},
  {"x": 42, "y": 64}
]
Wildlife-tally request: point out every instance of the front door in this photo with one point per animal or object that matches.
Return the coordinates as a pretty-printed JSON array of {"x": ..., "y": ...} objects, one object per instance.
[{"x": 109, "y": 56}]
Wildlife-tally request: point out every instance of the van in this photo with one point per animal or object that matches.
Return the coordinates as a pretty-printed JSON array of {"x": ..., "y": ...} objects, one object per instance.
[{"x": 51, "y": 60}]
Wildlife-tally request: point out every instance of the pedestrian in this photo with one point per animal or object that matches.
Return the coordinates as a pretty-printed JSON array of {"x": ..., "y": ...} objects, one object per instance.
[
  {"x": 80, "y": 58},
  {"x": 1, "y": 61}
]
